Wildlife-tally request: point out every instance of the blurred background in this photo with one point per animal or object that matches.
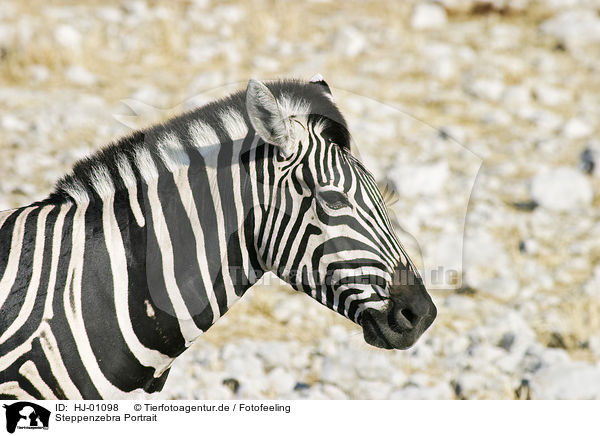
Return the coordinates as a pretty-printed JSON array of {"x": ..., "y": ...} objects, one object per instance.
[{"x": 480, "y": 118}]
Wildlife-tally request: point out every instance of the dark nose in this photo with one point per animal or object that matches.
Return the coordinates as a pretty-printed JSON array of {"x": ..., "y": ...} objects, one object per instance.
[{"x": 412, "y": 311}]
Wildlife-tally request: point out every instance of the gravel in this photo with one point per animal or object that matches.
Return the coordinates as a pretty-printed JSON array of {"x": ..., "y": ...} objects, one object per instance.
[
  {"x": 476, "y": 116},
  {"x": 562, "y": 189}
]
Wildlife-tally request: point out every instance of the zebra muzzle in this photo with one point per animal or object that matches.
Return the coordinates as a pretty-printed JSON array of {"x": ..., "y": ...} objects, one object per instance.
[{"x": 410, "y": 313}]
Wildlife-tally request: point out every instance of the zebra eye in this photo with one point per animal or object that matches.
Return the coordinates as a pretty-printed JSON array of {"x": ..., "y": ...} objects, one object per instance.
[{"x": 334, "y": 199}]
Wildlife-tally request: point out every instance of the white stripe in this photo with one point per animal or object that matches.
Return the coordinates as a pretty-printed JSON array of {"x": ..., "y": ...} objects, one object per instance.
[
  {"x": 30, "y": 372},
  {"x": 234, "y": 123},
  {"x": 34, "y": 282},
  {"x": 145, "y": 165},
  {"x": 203, "y": 137},
  {"x": 126, "y": 172},
  {"x": 187, "y": 198},
  {"x": 56, "y": 244},
  {"x": 172, "y": 153},
  {"x": 4, "y": 216},
  {"x": 57, "y": 366},
  {"x": 189, "y": 330},
  {"x": 76, "y": 190},
  {"x": 130, "y": 182},
  {"x": 118, "y": 266},
  {"x": 292, "y": 106},
  {"x": 102, "y": 181},
  {"x": 9, "y": 358},
  {"x": 12, "y": 266},
  {"x": 74, "y": 313},
  {"x": 13, "y": 388},
  {"x": 236, "y": 169},
  {"x": 210, "y": 155}
]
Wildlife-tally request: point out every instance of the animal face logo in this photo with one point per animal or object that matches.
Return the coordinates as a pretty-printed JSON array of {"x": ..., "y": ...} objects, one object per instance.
[{"x": 26, "y": 415}]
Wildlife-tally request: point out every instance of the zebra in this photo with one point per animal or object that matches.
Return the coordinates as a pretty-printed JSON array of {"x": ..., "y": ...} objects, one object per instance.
[{"x": 147, "y": 242}]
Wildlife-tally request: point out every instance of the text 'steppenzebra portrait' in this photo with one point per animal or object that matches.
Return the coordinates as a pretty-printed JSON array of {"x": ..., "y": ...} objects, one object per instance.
[{"x": 148, "y": 242}]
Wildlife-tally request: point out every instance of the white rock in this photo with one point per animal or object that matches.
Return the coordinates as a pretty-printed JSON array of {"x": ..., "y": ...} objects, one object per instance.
[
  {"x": 274, "y": 354},
  {"x": 348, "y": 41},
  {"x": 333, "y": 392},
  {"x": 230, "y": 13},
  {"x": 11, "y": 122},
  {"x": 248, "y": 365},
  {"x": 109, "y": 14},
  {"x": 441, "y": 391},
  {"x": 443, "y": 68},
  {"x": 574, "y": 27},
  {"x": 505, "y": 287},
  {"x": 550, "y": 357},
  {"x": 561, "y": 189},
  {"x": 39, "y": 73},
  {"x": 428, "y": 16},
  {"x": 460, "y": 303},
  {"x": 576, "y": 128},
  {"x": 443, "y": 259},
  {"x": 496, "y": 116},
  {"x": 337, "y": 374},
  {"x": 214, "y": 392},
  {"x": 484, "y": 258},
  {"x": 543, "y": 119},
  {"x": 266, "y": 63},
  {"x": 149, "y": 95},
  {"x": 595, "y": 346},
  {"x": 281, "y": 381},
  {"x": 551, "y": 96},
  {"x": 202, "y": 50},
  {"x": 80, "y": 76},
  {"x": 137, "y": 8},
  {"x": 371, "y": 390},
  {"x": 456, "y": 133},
  {"x": 592, "y": 286},
  {"x": 415, "y": 180},
  {"x": 68, "y": 36},
  {"x": 516, "y": 95},
  {"x": 569, "y": 381},
  {"x": 469, "y": 384},
  {"x": 488, "y": 89},
  {"x": 7, "y": 33},
  {"x": 372, "y": 366}
]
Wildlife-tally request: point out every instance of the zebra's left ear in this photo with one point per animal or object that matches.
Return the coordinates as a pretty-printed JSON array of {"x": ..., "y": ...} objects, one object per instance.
[
  {"x": 319, "y": 80},
  {"x": 267, "y": 117}
]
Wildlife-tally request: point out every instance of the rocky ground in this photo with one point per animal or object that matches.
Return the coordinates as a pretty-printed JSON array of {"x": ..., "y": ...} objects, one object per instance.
[{"x": 481, "y": 118}]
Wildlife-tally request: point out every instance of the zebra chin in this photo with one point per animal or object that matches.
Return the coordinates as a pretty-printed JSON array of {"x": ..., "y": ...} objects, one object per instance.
[{"x": 400, "y": 325}]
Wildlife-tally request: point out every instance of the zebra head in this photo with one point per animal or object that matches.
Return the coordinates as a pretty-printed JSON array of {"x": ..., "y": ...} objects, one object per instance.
[{"x": 322, "y": 224}]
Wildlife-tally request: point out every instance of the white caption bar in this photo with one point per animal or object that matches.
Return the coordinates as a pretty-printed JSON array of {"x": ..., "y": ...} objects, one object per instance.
[{"x": 264, "y": 418}]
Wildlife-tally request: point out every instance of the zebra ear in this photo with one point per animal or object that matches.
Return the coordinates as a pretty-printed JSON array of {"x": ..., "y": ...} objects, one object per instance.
[
  {"x": 319, "y": 80},
  {"x": 267, "y": 117}
]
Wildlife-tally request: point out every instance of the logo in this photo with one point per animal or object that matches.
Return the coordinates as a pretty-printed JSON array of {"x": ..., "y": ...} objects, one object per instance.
[{"x": 26, "y": 415}]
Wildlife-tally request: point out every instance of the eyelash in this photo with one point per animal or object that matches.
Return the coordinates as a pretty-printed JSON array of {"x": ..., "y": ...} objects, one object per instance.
[{"x": 338, "y": 202}]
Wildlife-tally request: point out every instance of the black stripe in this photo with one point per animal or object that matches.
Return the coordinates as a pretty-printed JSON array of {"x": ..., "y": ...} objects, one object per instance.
[
  {"x": 6, "y": 233},
  {"x": 186, "y": 267},
  {"x": 58, "y": 323},
  {"x": 16, "y": 297},
  {"x": 198, "y": 177},
  {"x": 161, "y": 332},
  {"x": 114, "y": 358},
  {"x": 156, "y": 288}
]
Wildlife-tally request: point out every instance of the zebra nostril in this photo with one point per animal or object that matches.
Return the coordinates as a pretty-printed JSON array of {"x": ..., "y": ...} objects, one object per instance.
[{"x": 409, "y": 315}]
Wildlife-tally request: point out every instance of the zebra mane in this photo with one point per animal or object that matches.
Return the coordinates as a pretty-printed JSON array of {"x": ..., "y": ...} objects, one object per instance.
[{"x": 115, "y": 166}]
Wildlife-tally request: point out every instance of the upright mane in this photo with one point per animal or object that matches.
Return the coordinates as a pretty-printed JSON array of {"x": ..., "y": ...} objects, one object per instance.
[{"x": 102, "y": 172}]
